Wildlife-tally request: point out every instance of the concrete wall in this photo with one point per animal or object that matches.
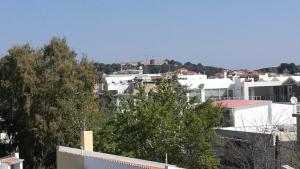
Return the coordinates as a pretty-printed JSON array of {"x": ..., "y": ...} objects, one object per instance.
[
  {"x": 15, "y": 166},
  {"x": 274, "y": 114},
  {"x": 4, "y": 166},
  {"x": 238, "y": 88},
  {"x": 243, "y": 149},
  {"x": 252, "y": 116},
  {"x": 251, "y": 137},
  {"x": 18, "y": 166},
  {"x": 282, "y": 114},
  {"x": 66, "y": 160}
]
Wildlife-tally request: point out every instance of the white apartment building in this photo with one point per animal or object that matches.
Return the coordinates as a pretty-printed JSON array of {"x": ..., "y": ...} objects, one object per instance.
[
  {"x": 123, "y": 83},
  {"x": 202, "y": 88},
  {"x": 260, "y": 113},
  {"x": 276, "y": 89}
]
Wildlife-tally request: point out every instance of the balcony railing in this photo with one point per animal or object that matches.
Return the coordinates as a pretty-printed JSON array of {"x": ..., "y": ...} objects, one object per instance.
[
  {"x": 273, "y": 98},
  {"x": 270, "y": 98},
  {"x": 223, "y": 98}
]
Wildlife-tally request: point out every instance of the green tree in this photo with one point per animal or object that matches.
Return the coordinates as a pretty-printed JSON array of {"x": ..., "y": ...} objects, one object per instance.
[
  {"x": 80, "y": 112},
  {"x": 149, "y": 125},
  {"x": 17, "y": 88},
  {"x": 38, "y": 87}
]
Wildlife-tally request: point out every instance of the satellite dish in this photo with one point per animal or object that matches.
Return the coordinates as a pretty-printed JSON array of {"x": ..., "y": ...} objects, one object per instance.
[{"x": 294, "y": 100}]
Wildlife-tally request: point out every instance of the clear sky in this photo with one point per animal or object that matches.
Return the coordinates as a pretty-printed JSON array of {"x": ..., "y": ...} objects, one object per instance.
[{"x": 227, "y": 33}]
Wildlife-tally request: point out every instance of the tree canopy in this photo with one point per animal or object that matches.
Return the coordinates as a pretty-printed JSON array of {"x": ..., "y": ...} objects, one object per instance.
[
  {"x": 37, "y": 86},
  {"x": 283, "y": 68},
  {"x": 148, "y": 126}
]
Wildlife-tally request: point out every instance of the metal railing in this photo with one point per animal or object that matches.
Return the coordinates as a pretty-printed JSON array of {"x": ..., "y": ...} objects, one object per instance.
[
  {"x": 270, "y": 98},
  {"x": 273, "y": 98},
  {"x": 223, "y": 98}
]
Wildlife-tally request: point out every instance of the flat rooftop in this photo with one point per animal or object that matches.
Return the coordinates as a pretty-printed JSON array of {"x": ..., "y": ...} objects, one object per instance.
[{"x": 115, "y": 158}]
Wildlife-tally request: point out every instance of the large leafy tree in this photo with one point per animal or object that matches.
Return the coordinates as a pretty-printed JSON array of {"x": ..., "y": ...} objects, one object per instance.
[
  {"x": 150, "y": 125},
  {"x": 38, "y": 87},
  {"x": 17, "y": 88}
]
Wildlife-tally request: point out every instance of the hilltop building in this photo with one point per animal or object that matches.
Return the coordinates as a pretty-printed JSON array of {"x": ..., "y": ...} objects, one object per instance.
[{"x": 135, "y": 65}]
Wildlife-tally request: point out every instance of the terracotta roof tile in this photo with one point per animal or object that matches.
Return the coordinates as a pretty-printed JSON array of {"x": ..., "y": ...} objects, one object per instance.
[{"x": 10, "y": 160}]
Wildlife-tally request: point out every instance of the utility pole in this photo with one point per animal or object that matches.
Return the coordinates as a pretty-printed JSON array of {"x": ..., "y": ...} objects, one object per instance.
[{"x": 277, "y": 152}]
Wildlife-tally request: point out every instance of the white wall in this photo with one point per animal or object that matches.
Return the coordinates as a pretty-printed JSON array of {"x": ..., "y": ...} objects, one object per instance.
[
  {"x": 282, "y": 114},
  {"x": 276, "y": 114},
  {"x": 18, "y": 166},
  {"x": 251, "y": 116},
  {"x": 238, "y": 87},
  {"x": 4, "y": 166}
]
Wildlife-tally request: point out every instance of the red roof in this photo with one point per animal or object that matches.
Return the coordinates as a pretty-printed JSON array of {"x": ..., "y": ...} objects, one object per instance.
[
  {"x": 233, "y": 104},
  {"x": 10, "y": 160}
]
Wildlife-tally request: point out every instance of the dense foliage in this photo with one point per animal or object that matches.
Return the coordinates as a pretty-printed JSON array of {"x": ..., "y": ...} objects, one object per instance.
[
  {"x": 40, "y": 92},
  {"x": 107, "y": 68},
  {"x": 150, "y": 125},
  {"x": 283, "y": 68}
]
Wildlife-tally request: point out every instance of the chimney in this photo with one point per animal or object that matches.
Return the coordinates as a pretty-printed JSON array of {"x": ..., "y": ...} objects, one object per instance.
[
  {"x": 87, "y": 140},
  {"x": 225, "y": 74},
  {"x": 16, "y": 155}
]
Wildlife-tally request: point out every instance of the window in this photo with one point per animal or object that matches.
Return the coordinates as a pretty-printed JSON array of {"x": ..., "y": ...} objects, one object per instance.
[
  {"x": 195, "y": 94},
  {"x": 227, "y": 119},
  {"x": 212, "y": 93},
  {"x": 216, "y": 93}
]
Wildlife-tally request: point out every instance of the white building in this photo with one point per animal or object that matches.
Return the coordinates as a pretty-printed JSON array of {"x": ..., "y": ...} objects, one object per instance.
[
  {"x": 122, "y": 83},
  {"x": 245, "y": 113},
  {"x": 4, "y": 137},
  {"x": 259, "y": 134},
  {"x": 202, "y": 88},
  {"x": 277, "y": 89},
  {"x": 11, "y": 162}
]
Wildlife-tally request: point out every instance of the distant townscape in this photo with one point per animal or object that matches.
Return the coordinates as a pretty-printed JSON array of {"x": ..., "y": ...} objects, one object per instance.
[
  {"x": 163, "y": 66},
  {"x": 60, "y": 112}
]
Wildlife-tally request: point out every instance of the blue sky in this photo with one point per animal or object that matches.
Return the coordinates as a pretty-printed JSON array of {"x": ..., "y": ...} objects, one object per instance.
[{"x": 226, "y": 33}]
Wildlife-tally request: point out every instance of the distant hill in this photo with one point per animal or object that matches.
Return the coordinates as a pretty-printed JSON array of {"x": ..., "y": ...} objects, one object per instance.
[
  {"x": 171, "y": 65},
  {"x": 288, "y": 68}
]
